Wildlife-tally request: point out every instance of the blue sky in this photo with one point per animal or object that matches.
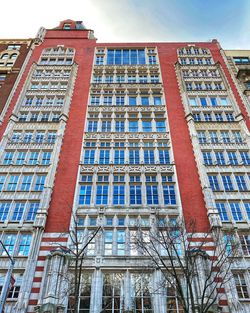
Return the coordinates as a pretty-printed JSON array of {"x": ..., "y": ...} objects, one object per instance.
[{"x": 137, "y": 20}]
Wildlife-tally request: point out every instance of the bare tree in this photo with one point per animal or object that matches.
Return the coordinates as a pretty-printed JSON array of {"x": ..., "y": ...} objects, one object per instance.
[
  {"x": 79, "y": 243},
  {"x": 196, "y": 269}
]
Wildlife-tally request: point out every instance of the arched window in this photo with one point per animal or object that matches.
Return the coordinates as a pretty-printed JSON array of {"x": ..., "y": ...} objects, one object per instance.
[
  {"x": 5, "y": 56},
  {"x": 14, "y": 56}
]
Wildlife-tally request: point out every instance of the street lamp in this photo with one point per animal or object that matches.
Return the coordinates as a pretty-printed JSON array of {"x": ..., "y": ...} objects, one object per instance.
[{"x": 7, "y": 280}]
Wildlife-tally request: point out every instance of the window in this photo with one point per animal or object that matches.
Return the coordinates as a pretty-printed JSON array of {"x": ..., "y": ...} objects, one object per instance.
[
  {"x": 157, "y": 101},
  {"x": 226, "y": 179},
  {"x": 133, "y": 126},
  {"x": 102, "y": 194},
  {"x": 85, "y": 194},
  {"x": 146, "y": 126},
  {"x": 33, "y": 208},
  {"x": 164, "y": 157},
  {"x": 45, "y": 117},
  {"x": 51, "y": 137},
  {"x": 241, "y": 60},
  {"x": 104, "y": 157},
  {"x": 241, "y": 183},
  {"x": 247, "y": 208},
  {"x": 4, "y": 211},
  {"x": 207, "y": 158},
  {"x": 112, "y": 295},
  {"x": 26, "y": 182},
  {"x": 203, "y": 101},
  {"x": 144, "y": 100},
  {"x": 135, "y": 194},
  {"x": 149, "y": 157},
  {"x": 218, "y": 117},
  {"x": 8, "y": 157},
  {"x": 245, "y": 157},
  {"x": 40, "y": 182},
  {"x": 213, "y": 137},
  {"x": 5, "y": 56},
  {"x": 198, "y": 86},
  {"x": 18, "y": 212},
  {"x": 222, "y": 211},
  {"x": 169, "y": 194},
  {"x": 107, "y": 100},
  {"x": 13, "y": 180},
  {"x": 237, "y": 137},
  {"x": 236, "y": 211},
  {"x": 241, "y": 286},
  {"x": 151, "y": 59},
  {"x": 66, "y": 26},
  {"x": 108, "y": 242},
  {"x": 23, "y": 117},
  {"x": 160, "y": 126},
  {"x": 197, "y": 117},
  {"x": 99, "y": 60},
  {"x": 207, "y": 117},
  {"x": 120, "y": 79},
  {"x": 106, "y": 126},
  {"x": 229, "y": 117},
  {"x": 173, "y": 304},
  {"x": 213, "y": 101},
  {"x": 89, "y": 156},
  {"x": 192, "y": 101},
  {"x": 21, "y": 157},
  {"x": 120, "y": 100},
  {"x": 152, "y": 194},
  {"x": 92, "y": 126},
  {"x": 141, "y": 293},
  {"x": 118, "y": 194},
  {"x": 225, "y": 136},
  {"x": 95, "y": 100},
  {"x": 220, "y": 158},
  {"x": 9, "y": 243},
  {"x": 126, "y": 56},
  {"x": 134, "y": 156},
  {"x": 119, "y": 156},
  {"x": 27, "y": 137},
  {"x": 46, "y": 156},
  {"x": 24, "y": 245},
  {"x": 33, "y": 158},
  {"x": 213, "y": 181},
  {"x": 232, "y": 157},
  {"x": 2, "y": 181},
  {"x": 132, "y": 100},
  {"x": 202, "y": 137},
  {"x": 119, "y": 126},
  {"x": 245, "y": 244},
  {"x": 224, "y": 101}
]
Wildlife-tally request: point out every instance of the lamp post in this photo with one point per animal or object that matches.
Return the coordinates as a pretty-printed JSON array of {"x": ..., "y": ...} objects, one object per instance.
[{"x": 7, "y": 280}]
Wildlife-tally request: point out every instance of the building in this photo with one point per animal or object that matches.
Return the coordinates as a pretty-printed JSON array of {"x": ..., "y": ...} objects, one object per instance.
[
  {"x": 118, "y": 134},
  {"x": 12, "y": 55}
]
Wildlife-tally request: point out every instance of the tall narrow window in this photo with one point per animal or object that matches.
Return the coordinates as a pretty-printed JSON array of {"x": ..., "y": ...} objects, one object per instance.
[
  {"x": 102, "y": 194},
  {"x": 4, "y": 210},
  {"x": 169, "y": 194},
  {"x": 89, "y": 156},
  {"x": 118, "y": 194},
  {"x": 40, "y": 182},
  {"x": 222, "y": 211},
  {"x": 33, "y": 208},
  {"x": 85, "y": 194},
  {"x": 24, "y": 245},
  {"x": 141, "y": 293},
  {"x": 104, "y": 157}
]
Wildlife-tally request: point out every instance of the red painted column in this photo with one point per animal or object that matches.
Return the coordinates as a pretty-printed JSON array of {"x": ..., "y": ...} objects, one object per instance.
[{"x": 188, "y": 178}]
